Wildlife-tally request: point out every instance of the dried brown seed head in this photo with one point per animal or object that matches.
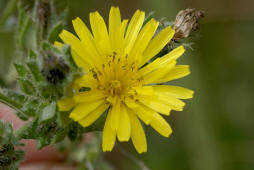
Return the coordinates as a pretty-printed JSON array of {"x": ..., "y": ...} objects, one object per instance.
[{"x": 186, "y": 22}]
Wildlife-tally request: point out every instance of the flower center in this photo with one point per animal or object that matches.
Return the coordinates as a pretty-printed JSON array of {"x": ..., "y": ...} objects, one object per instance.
[
  {"x": 115, "y": 87},
  {"x": 116, "y": 76}
]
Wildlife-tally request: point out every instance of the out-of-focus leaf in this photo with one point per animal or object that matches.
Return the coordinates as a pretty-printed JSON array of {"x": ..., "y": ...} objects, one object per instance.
[
  {"x": 35, "y": 70},
  {"x": 63, "y": 119},
  {"x": 103, "y": 165},
  {"x": 22, "y": 31},
  {"x": 24, "y": 106},
  {"x": 59, "y": 136},
  {"x": 73, "y": 132},
  {"x": 13, "y": 98},
  {"x": 32, "y": 55},
  {"x": 53, "y": 35},
  {"x": 2, "y": 82},
  {"x": 10, "y": 158},
  {"x": 26, "y": 29},
  {"x": 21, "y": 70},
  {"x": 27, "y": 86},
  {"x": 8, "y": 10}
]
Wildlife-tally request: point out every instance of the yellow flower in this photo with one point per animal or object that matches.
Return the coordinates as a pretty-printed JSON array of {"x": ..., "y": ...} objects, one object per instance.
[{"x": 119, "y": 81}]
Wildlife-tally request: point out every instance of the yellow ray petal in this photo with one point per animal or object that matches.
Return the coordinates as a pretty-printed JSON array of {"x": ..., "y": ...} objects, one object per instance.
[
  {"x": 174, "y": 91},
  {"x": 84, "y": 81},
  {"x": 83, "y": 109},
  {"x": 124, "y": 130},
  {"x": 172, "y": 102},
  {"x": 108, "y": 136},
  {"x": 123, "y": 28},
  {"x": 156, "y": 105},
  {"x": 177, "y": 72},
  {"x": 144, "y": 90},
  {"x": 94, "y": 115},
  {"x": 157, "y": 44},
  {"x": 122, "y": 39},
  {"x": 143, "y": 39},
  {"x": 89, "y": 96},
  {"x": 58, "y": 44},
  {"x": 144, "y": 113},
  {"x": 137, "y": 134},
  {"x": 115, "y": 110},
  {"x": 161, "y": 125},
  {"x": 86, "y": 38},
  {"x": 114, "y": 30},
  {"x": 100, "y": 33},
  {"x": 65, "y": 104},
  {"x": 163, "y": 64},
  {"x": 130, "y": 103},
  {"x": 159, "y": 73},
  {"x": 76, "y": 45},
  {"x": 133, "y": 29},
  {"x": 172, "y": 55},
  {"x": 79, "y": 61},
  {"x": 149, "y": 67}
]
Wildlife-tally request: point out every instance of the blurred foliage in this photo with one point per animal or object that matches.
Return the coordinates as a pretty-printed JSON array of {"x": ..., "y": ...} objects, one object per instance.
[
  {"x": 9, "y": 158},
  {"x": 215, "y": 131}
]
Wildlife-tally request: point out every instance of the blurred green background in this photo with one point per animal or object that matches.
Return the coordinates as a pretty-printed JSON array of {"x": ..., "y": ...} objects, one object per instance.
[{"x": 216, "y": 129}]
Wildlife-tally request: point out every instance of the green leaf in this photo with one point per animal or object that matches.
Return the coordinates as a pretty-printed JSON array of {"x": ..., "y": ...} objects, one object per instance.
[
  {"x": 12, "y": 98},
  {"x": 27, "y": 86},
  {"x": 35, "y": 70},
  {"x": 21, "y": 70},
  {"x": 27, "y": 131},
  {"x": 8, "y": 10},
  {"x": 23, "y": 77},
  {"x": 10, "y": 158},
  {"x": 2, "y": 82},
  {"x": 41, "y": 142},
  {"x": 73, "y": 132},
  {"x": 63, "y": 118},
  {"x": 50, "y": 47},
  {"x": 48, "y": 113},
  {"x": 32, "y": 55},
  {"x": 22, "y": 29},
  {"x": 53, "y": 35},
  {"x": 33, "y": 107},
  {"x": 103, "y": 165},
  {"x": 20, "y": 102},
  {"x": 60, "y": 135}
]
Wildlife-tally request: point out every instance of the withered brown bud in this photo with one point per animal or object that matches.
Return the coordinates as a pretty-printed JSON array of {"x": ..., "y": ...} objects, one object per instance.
[{"x": 186, "y": 22}]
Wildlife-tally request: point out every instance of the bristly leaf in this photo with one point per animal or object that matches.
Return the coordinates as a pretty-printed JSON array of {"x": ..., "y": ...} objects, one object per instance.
[
  {"x": 9, "y": 157},
  {"x": 20, "y": 102},
  {"x": 32, "y": 55},
  {"x": 48, "y": 113},
  {"x": 35, "y": 70},
  {"x": 26, "y": 86},
  {"x": 21, "y": 70},
  {"x": 23, "y": 27},
  {"x": 54, "y": 32},
  {"x": 24, "y": 78},
  {"x": 13, "y": 98}
]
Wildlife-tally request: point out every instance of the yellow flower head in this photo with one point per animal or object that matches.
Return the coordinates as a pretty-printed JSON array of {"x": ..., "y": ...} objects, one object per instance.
[{"x": 118, "y": 80}]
